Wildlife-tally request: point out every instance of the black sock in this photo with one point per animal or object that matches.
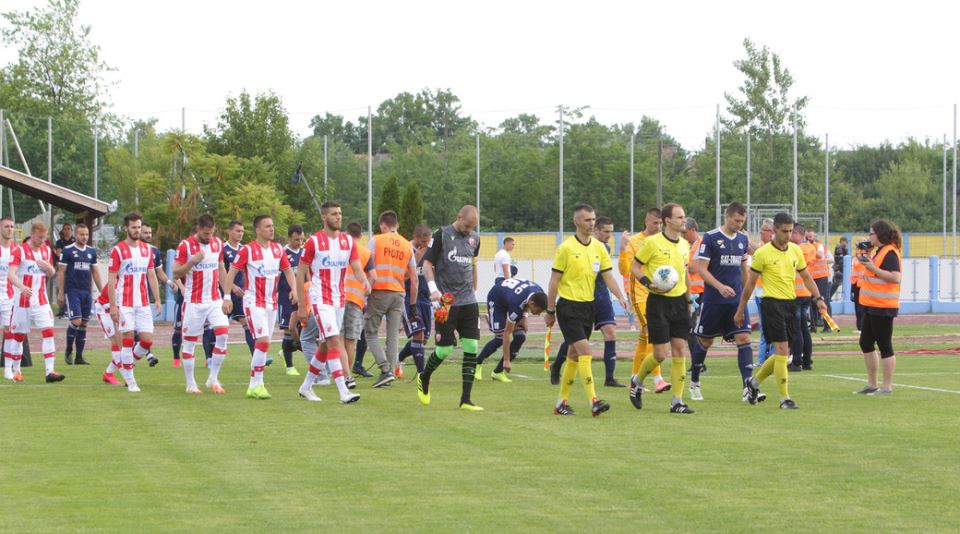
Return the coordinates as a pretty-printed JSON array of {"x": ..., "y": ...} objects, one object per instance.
[
  {"x": 489, "y": 349},
  {"x": 209, "y": 340},
  {"x": 697, "y": 360},
  {"x": 609, "y": 358},
  {"x": 561, "y": 357},
  {"x": 71, "y": 335},
  {"x": 361, "y": 352},
  {"x": 176, "y": 341},
  {"x": 416, "y": 346},
  {"x": 432, "y": 365},
  {"x": 467, "y": 372},
  {"x": 287, "y": 347},
  {"x": 406, "y": 351},
  {"x": 81, "y": 340}
]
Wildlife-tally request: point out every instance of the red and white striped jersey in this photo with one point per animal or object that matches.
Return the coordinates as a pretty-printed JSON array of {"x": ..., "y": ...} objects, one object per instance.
[
  {"x": 6, "y": 257},
  {"x": 32, "y": 276},
  {"x": 328, "y": 259},
  {"x": 202, "y": 283},
  {"x": 131, "y": 265},
  {"x": 262, "y": 268}
]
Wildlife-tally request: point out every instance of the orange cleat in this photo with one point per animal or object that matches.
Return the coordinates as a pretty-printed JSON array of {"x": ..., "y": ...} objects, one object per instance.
[
  {"x": 18, "y": 377},
  {"x": 662, "y": 386},
  {"x": 111, "y": 379},
  {"x": 177, "y": 363},
  {"x": 398, "y": 372},
  {"x": 194, "y": 390},
  {"x": 218, "y": 389}
]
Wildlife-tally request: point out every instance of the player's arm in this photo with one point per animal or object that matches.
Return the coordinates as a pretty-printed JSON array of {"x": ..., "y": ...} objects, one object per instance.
[
  {"x": 183, "y": 263},
  {"x": 552, "y": 298},
  {"x": 613, "y": 287},
  {"x": 507, "y": 337},
  {"x": 61, "y": 275},
  {"x": 414, "y": 281},
  {"x": 291, "y": 282},
  {"x": 301, "y": 277},
  {"x": 17, "y": 283},
  {"x": 433, "y": 255},
  {"x": 227, "y": 286},
  {"x": 748, "y": 287},
  {"x": 504, "y": 270},
  {"x": 154, "y": 287},
  {"x": 701, "y": 266},
  {"x": 362, "y": 277},
  {"x": 625, "y": 260},
  {"x": 95, "y": 277},
  {"x": 476, "y": 277}
]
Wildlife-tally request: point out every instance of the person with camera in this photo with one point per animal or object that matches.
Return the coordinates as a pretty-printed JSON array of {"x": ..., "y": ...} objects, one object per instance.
[
  {"x": 856, "y": 280},
  {"x": 880, "y": 298}
]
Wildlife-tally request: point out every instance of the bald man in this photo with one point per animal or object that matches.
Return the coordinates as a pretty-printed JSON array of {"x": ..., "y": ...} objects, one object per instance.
[{"x": 450, "y": 266}]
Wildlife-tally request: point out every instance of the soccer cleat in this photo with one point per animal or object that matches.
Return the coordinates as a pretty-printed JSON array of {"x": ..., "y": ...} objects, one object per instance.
[
  {"x": 424, "y": 397},
  {"x": 501, "y": 377},
  {"x": 478, "y": 374},
  {"x": 563, "y": 409},
  {"x": 152, "y": 360},
  {"x": 662, "y": 386},
  {"x": 350, "y": 399},
  {"x": 636, "y": 393},
  {"x": 133, "y": 388},
  {"x": 867, "y": 390},
  {"x": 695, "y": 393},
  {"x": 177, "y": 362},
  {"x": 807, "y": 367},
  {"x": 68, "y": 358},
  {"x": 307, "y": 393},
  {"x": 292, "y": 371},
  {"x": 794, "y": 368},
  {"x": 217, "y": 389},
  {"x": 751, "y": 390},
  {"x": 111, "y": 379},
  {"x": 398, "y": 372},
  {"x": 384, "y": 379},
  {"x": 351, "y": 383},
  {"x": 598, "y": 407},
  {"x": 268, "y": 363},
  {"x": 680, "y": 408},
  {"x": 80, "y": 361},
  {"x": 613, "y": 383},
  {"x": 470, "y": 407},
  {"x": 362, "y": 372},
  {"x": 788, "y": 404},
  {"x": 881, "y": 391},
  {"x": 260, "y": 393},
  {"x": 194, "y": 390},
  {"x": 18, "y": 378},
  {"x": 54, "y": 376}
]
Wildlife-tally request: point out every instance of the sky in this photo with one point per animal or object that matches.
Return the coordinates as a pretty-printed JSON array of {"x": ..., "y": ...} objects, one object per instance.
[{"x": 874, "y": 71}]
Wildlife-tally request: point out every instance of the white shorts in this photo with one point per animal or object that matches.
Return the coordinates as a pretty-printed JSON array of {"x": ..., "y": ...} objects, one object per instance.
[
  {"x": 6, "y": 311},
  {"x": 136, "y": 318},
  {"x": 260, "y": 321},
  {"x": 21, "y": 318},
  {"x": 103, "y": 317},
  {"x": 329, "y": 320},
  {"x": 195, "y": 316}
]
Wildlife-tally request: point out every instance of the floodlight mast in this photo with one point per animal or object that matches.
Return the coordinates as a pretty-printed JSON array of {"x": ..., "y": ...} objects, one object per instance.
[{"x": 297, "y": 177}]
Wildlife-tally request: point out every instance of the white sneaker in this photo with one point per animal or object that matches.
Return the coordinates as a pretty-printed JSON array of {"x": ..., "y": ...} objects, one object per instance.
[
  {"x": 695, "y": 392},
  {"x": 307, "y": 393},
  {"x": 210, "y": 383},
  {"x": 350, "y": 398},
  {"x": 133, "y": 388}
]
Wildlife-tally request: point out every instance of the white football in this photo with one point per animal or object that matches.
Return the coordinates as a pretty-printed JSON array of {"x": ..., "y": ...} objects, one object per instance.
[{"x": 664, "y": 278}]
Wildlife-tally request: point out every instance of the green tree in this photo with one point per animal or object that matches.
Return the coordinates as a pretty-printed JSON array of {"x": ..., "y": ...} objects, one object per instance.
[
  {"x": 764, "y": 103},
  {"x": 252, "y": 126},
  {"x": 411, "y": 209},
  {"x": 389, "y": 199}
]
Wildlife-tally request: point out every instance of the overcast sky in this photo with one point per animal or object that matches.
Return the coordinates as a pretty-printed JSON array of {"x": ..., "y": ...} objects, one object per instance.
[{"x": 873, "y": 70}]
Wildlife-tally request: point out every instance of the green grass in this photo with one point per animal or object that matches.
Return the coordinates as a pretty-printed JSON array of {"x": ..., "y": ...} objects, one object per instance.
[{"x": 85, "y": 456}]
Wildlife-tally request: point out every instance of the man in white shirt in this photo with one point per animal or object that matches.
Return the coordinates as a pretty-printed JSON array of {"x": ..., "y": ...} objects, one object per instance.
[{"x": 502, "y": 261}]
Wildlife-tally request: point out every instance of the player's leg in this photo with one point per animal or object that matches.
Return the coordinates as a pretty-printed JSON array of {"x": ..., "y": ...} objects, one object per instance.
[
  {"x": 467, "y": 319},
  {"x": 377, "y": 306},
  {"x": 644, "y": 349},
  {"x": 220, "y": 324},
  {"x": 176, "y": 340},
  {"x": 334, "y": 360},
  {"x": 395, "y": 308},
  {"x": 19, "y": 327},
  {"x": 6, "y": 310},
  {"x": 42, "y": 318},
  {"x": 678, "y": 352},
  {"x": 697, "y": 358},
  {"x": 807, "y": 362},
  {"x": 261, "y": 321},
  {"x": 72, "y": 326},
  {"x": 557, "y": 365},
  {"x": 517, "y": 341},
  {"x": 192, "y": 331},
  {"x": 779, "y": 319},
  {"x": 658, "y": 324},
  {"x": 284, "y": 313},
  {"x": 446, "y": 337}
]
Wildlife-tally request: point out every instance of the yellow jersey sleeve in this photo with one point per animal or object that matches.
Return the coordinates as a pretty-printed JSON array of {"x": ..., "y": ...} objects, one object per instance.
[
  {"x": 560, "y": 258},
  {"x": 647, "y": 250}
]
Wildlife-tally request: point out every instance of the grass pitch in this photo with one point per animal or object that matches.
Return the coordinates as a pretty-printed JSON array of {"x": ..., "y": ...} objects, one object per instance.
[{"x": 82, "y": 455}]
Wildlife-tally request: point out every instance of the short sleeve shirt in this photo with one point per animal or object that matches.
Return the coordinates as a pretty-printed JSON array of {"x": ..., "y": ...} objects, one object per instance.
[
  {"x": 659, "y": 251},
  {"x": 580, "y": 263},
  {"x": 778, "y": 269}
]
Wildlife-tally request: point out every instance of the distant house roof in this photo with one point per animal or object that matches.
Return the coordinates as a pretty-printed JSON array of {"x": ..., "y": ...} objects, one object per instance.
[{"x": 84, "y": 207}]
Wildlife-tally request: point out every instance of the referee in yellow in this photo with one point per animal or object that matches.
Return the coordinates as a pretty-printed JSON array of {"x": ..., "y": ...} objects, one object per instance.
[
  {"x": 778, "y": 263},
  {"x": 668, "y": 312},
  {"x": 576, "y": 264}
]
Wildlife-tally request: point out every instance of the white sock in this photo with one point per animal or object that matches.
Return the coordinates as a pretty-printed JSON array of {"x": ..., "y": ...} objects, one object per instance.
[
  {"x": 188, "y": 364},
  {"x": 336, "y": 371},
  {"x": 126, "y": 369},
  {"x": 48, "y": 362},
  {"x": 257, "y": 364}
]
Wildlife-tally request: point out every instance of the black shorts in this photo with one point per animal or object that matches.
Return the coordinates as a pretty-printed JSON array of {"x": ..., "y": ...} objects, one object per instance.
[
  {"x": 778, "y": 317},
  {"x": 667, "y": 318},
  {"x": 575, "y": 319},
  {"x": 464, "y": 320}
]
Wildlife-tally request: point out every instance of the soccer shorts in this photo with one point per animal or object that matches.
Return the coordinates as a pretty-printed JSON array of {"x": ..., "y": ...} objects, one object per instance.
[
  {"x": 260, "y": 320},
  {"x": 603, "y": 311},
  {"x": 40, "y": 316},
  {"x": 778, "y": 319},
  {"x": 78, "y": 304},
  {"x": 285, "y": 311},
  {"x": 106, "y": 322},
  {"x": 196, "y": 315},
  {"x": 136, "y": 319},
  {"x": 329, "y": 320},
  {"x": 667, "y": 318},
  {"x": 6, "y": 311},
  {"x": 717, "y": 320},
  {"x": 497, "y": 317},
  {"x": 421, "y": 324},
  {"x": 236, "y": 313},
  {"x": 352, "y": 321},
  {"x": 575, "y": 319},
  {"x": 463, "y": 320}
]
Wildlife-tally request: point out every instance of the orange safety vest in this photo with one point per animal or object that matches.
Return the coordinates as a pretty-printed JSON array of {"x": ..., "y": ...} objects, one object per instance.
[
  {"x": 876, "y": 293},
  {"x": 856, "y": 276},
  {"x": 819, "y": 269},
  {"x": 810, "y": 256},
  {"x": 352, "y": 287},
  {"x": 391, "y": 256},
  {"x": 696, "y": 281}
]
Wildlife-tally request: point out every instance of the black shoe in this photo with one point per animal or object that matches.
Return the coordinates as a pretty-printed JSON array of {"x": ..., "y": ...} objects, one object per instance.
[
  {"x": 612, "y": 383},
  {"x": 794, "y": 368},
  {"x": 54, "y": 377},
  {"x": 680, "y": 408},
  {"x": 351, "y": 383},
  {"x": 788, "y": 404},
  {"x": 384, "y": 379},
  {"x": 807, "y": 367},
  {"x": 564, "y": 409},
  {"x": 360, "y": 371},
  {"x": 68, "y": 358},
  {"x": 599, "y": 407},
  {"x": 152, "y": 360},
  {"x": 80, "y": 361},
  {"x": 636, "y": 393}
]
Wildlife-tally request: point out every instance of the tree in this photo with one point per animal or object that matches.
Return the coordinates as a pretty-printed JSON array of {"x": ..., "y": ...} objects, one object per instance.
[
  {"x": 389, "y": 198},
  {"x": 249, "y": 127},
  {"x": 411, "y": 209},
  {"x": 764, "y": 104}
]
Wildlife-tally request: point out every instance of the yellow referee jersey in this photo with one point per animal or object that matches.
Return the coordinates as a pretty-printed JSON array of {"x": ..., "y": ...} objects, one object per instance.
[
  {"x": 659, "y": 251},
  {"x": 580, "y": 264},
  {"x": 638, "y": 292},
  {"x": 778, "y": 269}
]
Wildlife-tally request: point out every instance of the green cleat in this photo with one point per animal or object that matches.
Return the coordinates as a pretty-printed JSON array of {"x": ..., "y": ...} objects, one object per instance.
[
  {"x": 424, "y": 397},
  {"x": 501, "y": 377},
  {"x": 292, "y": 371},
  {"x": 259, "y": 392},
  {"x": 470, "y": 407},
  {"x": 478, "y": 374}
]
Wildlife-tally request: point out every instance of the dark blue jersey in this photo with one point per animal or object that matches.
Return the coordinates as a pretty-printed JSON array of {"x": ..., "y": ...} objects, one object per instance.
[
  {"x": 512, "y": 295},
  {"x": 283, "y": 289},
  {"x": 726, "y": 256},
  {"x": 423, "y": 291},
  {"x": 229, "y": 254},
  {"x": 157, "y": 258},
  {"x": 78, "y": 262}
]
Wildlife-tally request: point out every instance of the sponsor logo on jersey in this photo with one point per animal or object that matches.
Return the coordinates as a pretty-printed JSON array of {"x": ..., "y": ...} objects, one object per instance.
[{"x": 454, "y": 258}]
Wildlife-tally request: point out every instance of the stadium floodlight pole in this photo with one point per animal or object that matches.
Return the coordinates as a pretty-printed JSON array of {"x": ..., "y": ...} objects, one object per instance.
[
  {"x": 183, "y": 120},
  {"x": 659, "y": 172},
  {"x": 632, "y": 141},
  {"x": 749, "y": 215},
  {"x": 954, "y": 182},
  {"x": 944, "y": 194},
  {"x": 478, "y": 178},
  {"x": 717, "y": 202},
  {"x": 561, "y": 171},
  {"x": 50, "y": 149},
  {"x": 826, "y": 172},
  {"x": 298, "y": 177},
  {"x": 3, "y": 147},
  {"x": 370, "y": 170},
  {"x": 96, "y": 168},
  {"x": 324, "y": 164},
  {"x": 795, "y": 178}
]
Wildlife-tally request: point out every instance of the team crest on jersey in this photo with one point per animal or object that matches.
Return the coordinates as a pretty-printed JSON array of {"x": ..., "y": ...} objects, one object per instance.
[
  {"x": 472, "y": 241},
  {"x": 740, "y": 245},
  {"x": 720, "y": 243}
]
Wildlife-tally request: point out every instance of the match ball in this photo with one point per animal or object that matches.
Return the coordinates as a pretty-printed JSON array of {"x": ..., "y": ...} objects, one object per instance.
[{"x": 664, "y": 278}]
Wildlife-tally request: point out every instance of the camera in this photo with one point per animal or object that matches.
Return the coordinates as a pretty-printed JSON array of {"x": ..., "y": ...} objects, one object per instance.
[{"x": 864, "y": 245}]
